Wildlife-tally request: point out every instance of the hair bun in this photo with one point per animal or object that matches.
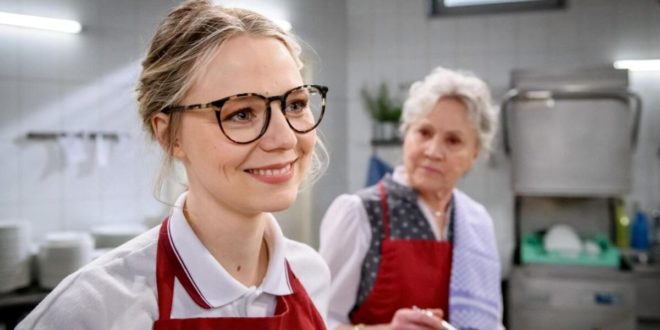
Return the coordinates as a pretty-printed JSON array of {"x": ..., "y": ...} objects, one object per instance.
[{"x": 189, "y": 9}]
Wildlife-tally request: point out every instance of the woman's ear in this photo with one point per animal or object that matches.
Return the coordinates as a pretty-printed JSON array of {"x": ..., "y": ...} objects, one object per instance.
[
  {"x": 476, "y": 152},
  {"x": 160, "y": 124}
]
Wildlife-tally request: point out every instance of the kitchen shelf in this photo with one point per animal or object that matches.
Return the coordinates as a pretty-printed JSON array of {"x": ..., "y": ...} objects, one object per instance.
[
  {"x": 16, "y": 304},
  {"x": 52, "y": 135},
  {"x": 386, "y": 142}
]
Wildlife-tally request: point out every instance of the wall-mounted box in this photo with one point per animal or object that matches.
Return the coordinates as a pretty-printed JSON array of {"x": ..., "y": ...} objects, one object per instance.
[{"x": 571, "y": 133}]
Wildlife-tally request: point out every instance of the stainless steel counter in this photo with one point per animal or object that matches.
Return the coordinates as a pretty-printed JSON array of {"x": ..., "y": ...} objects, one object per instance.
[{"x": 571, "y": 297}]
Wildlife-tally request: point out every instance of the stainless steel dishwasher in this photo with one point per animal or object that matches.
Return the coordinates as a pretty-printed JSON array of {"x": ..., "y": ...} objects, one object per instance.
[{"x": 570, "y": 137}]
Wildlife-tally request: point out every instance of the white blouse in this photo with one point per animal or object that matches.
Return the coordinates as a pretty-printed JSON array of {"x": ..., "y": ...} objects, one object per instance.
[
  {"x": 345, "y": 237},
  {"x": 118, "y": 290}
]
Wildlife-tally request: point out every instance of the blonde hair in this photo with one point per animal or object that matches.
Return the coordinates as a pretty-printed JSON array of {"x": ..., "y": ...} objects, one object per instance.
[
  {"x": 465, "y": 86},
  {"x": 182, "y": 47}
]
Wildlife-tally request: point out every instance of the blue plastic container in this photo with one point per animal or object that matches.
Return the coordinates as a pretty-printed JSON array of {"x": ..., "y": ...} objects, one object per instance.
[{"x": 639, "y": 236}]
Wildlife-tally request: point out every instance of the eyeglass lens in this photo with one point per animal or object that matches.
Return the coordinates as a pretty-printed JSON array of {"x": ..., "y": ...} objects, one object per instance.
[{"x": 243, "y": 118}]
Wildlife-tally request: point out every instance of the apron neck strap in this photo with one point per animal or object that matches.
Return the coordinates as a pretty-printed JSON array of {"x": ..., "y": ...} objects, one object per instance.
[
  {"x": 384, "y": 209},
  {"x": 164, "y": 275}
]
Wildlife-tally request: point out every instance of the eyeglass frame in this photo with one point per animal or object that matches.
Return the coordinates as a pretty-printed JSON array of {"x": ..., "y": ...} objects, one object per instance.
[{"x": 217, "y": 107}]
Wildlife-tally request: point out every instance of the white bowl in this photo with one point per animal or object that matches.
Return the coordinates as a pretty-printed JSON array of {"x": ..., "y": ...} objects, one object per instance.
[
  {"x": 112, "y": 236},
  {"x": 562, "y": 239},
  {"x": 15, "y": 255},
  {"x": 61, "y": 254}
]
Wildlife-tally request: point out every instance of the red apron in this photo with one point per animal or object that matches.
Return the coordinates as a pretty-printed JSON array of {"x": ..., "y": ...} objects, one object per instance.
[
  {"x": 294, "y": 311},
  {"x": 411, "y": 273}
]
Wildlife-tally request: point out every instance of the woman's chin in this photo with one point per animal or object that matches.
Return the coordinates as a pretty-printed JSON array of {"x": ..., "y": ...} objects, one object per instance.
[
  {"x": 279, "y": 202},
  {"x": 428, "y": 185}
]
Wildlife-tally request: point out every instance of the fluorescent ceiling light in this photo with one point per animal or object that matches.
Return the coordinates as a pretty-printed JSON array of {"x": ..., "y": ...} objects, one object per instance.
[
  {"x": 41, "y": 23},
  {"x": 283, "y": 24},
  {"x": 272, "y": 12},
  {"x": 638, "y": 65},
  {"x": 455, "y": 3}
]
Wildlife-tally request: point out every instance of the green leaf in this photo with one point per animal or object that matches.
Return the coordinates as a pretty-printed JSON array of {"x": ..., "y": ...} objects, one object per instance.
[{"x": 381, "y": 107}]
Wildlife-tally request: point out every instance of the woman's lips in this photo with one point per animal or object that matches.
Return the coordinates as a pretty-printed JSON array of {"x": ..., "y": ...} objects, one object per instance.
[
  {"x": 431, "y": 170},
  {"x": 273, "y": 174}
]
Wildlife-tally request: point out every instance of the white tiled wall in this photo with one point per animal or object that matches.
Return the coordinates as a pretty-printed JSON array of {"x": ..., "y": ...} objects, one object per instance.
[
  {"x": 84, "y": 82},
  {"x": 58, "y": 82},
  {"x": 395, "y": 41},
  {"x": 646, "y": 164}
]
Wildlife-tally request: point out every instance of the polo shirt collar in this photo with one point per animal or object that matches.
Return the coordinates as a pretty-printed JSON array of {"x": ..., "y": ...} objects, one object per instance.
[{"x": 210, "y": 280}]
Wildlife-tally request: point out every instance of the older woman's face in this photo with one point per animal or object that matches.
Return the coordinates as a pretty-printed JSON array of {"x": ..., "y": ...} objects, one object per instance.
[{"x": 440, "y": 147}]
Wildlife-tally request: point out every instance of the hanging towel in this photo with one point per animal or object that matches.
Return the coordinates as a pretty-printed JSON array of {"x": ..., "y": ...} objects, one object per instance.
[
  {"x": 377, "y": 170},
  {"x": 74, "y": 148},
  {"x": 475, "y": 294}
]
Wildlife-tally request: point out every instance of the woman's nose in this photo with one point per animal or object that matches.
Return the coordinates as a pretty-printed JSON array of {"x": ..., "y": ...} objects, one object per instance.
[
  {"x": 278, "y": 135},
  {"x": 435, "y": 149}
]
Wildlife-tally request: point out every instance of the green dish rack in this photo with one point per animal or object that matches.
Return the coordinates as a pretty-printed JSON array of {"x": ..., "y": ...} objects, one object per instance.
[{"x": 532, "y": 252}]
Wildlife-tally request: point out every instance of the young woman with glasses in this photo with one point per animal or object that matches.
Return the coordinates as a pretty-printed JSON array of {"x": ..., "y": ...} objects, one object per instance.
[{"x": 221, "y": 90}]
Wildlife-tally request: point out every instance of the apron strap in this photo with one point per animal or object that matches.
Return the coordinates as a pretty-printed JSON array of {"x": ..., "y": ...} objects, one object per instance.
[
  {"x": 386, "y": 213},
  {"x": 164, "y": 275},
  {"x": 384, "y": 209}
]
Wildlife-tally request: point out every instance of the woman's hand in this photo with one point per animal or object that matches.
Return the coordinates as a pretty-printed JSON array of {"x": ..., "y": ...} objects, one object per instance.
[
  {"x": 415, "y": 318},
  {"x": 406, "y": 319}
]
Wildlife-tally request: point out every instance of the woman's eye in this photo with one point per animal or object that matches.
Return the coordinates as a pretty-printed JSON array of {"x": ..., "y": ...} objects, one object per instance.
[
  {"x": 240, "y": 115},
  {"x": 296, "y": 106},
  {"x": 454, "y": 141},
  {"x": 424, "y": 132}
]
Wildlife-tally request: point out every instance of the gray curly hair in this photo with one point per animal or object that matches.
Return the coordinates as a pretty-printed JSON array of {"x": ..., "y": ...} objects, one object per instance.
[{"x": 465, "y": 86}]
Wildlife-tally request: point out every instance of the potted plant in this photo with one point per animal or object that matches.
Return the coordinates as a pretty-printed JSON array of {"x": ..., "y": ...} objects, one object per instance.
[{"x": 384, "y": 110}]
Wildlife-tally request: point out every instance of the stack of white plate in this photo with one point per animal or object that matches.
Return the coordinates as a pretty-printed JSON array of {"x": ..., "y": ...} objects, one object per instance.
[
  {"x": 14, "y": 255},
  {"x": 112, "y": 236},
  {"x": 61, "y": 254}
]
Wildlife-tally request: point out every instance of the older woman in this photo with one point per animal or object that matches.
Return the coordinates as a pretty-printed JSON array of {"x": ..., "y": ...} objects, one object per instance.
[{"x": 413, "y": 242}]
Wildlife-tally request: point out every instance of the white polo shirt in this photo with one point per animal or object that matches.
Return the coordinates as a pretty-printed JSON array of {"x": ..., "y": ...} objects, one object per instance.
[
  {"x": 118, "y": 290},
  {"x": 345, "y": 238}
]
